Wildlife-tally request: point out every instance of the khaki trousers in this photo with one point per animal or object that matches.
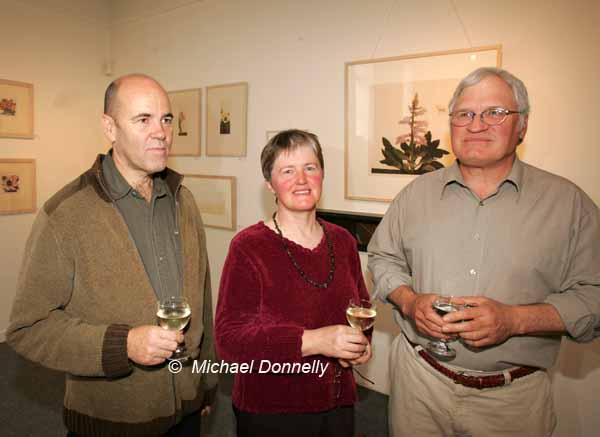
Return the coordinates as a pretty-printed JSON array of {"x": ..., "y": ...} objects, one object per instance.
[{"x": 423, "y": 402}]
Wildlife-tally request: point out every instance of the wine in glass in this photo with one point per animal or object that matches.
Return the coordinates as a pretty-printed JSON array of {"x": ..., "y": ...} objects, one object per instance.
[
  {"x": 174, "y": 314},
  {"x": 442, "y": 305},
  {"x": 361, "y": 313}
]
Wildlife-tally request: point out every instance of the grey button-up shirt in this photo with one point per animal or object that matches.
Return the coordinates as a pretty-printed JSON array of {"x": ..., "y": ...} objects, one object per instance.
[
  {"x": 536, "y": 239},
  {"x": 153, "y": 227}
]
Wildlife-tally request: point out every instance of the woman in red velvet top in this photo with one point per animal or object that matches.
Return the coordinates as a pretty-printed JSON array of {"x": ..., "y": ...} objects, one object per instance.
[{"x": 284, "y": 290}]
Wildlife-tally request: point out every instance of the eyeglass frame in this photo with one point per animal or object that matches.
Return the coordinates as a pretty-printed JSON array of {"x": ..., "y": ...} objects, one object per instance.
[{"x": 472, "y": 115}]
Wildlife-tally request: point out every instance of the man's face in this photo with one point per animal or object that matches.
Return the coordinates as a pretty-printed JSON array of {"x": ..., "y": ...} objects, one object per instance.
[
  {"x": 139, "y": 128},
  {"x": 477, "y": 144}
]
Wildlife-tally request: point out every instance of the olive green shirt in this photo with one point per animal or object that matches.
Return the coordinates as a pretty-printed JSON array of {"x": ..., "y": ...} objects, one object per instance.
[
  {"x": 152, "y": 226},
  {"x": 535, "y": 240}
]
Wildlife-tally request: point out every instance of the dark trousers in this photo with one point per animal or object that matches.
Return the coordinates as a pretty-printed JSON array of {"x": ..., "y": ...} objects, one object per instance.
[
  {"x": 338, "y": 422},
  {"x": 188, "y": 427}
]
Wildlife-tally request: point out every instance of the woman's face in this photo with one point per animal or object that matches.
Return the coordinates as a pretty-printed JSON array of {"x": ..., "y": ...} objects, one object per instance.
[{"x": 297, "y": 179}]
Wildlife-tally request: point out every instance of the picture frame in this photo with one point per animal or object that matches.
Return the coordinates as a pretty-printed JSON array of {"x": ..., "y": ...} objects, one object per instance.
[
  {"x": 226, "y": 119},
  {"x": 186, "y": 106},
  {"x": 401, "y": 103},
  {"x": 17, "y": 186},
  {"x": 16, "y": 109},
  {"x": 216, "y": 199},
  {"x": 270, "y": 134},
  {"x": 361, "y": 225}
]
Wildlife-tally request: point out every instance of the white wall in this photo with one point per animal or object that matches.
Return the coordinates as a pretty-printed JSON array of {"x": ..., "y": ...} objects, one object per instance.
[
  {"x": 59, "y": 46},
  {"x": 292, "y": 54}
]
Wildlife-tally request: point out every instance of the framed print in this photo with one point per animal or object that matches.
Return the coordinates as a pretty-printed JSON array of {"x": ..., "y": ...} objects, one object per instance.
[
  {"x": 16, "y": 109},
  {"x": 270, "y": 134},
  {"x": 396, "y": 117},
  {"x": 17, "y": 186},
  {"x": 216, "y": 199},
  {"x": 226, "y": 119},
  {"x": 186, "y": 107}
]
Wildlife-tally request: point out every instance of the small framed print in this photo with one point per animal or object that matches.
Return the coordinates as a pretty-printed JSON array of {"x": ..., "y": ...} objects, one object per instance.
[
  {"x": 186, "y": 107},
  {"x": 17, "y": 186},
  {"x": 16, "y": 109},
  {"x": 216, "y": 199},
  {"x": 226, "y": 119}
]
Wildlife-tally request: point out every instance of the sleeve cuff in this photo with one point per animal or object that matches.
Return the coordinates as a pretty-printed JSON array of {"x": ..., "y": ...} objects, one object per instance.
[
  {"x": 386, "y": 287},
  {"x": 579, "y": 322},
  {"x": 115, "y": 361}
]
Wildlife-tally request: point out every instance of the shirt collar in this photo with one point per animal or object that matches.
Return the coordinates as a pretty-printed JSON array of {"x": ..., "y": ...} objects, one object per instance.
[
  {"x": 118, "y": 186},
  {"x": 116, "y": 183},
  {"x": 453, "y": 175}
]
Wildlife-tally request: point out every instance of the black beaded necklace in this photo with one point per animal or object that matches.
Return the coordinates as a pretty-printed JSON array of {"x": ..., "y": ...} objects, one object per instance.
[{"x": 297, "y": 266}]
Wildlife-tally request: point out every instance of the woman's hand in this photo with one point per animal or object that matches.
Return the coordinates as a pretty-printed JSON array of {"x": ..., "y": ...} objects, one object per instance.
[
  {"x": 336, "y": 341},
  {"x": 364, "y": 358}
]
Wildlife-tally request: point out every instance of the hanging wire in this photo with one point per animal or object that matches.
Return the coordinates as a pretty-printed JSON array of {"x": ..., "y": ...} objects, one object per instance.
[
  {"x": 462, "y": 24},
  {"x": 384, "y": 27}
]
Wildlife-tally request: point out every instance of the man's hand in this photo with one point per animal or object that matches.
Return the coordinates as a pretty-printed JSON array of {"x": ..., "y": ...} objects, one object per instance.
[
  {"x": 486, "y": 322},
  {"x": 418, "y": 307},
  {"x": 150, "y": 345}
]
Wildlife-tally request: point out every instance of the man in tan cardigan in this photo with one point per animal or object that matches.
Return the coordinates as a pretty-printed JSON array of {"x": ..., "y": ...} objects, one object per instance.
[{"x": 102, "y": 252}]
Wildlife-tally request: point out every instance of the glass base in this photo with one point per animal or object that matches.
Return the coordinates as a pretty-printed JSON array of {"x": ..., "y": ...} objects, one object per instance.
[
  {"x": 180, "y": 354},
  {"x": 441, "y": 350}
]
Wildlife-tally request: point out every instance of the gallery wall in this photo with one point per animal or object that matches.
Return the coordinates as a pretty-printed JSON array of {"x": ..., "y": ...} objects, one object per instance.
[
  {"x": 60, "y": 46},
  {"x": 292, "y": 55}
]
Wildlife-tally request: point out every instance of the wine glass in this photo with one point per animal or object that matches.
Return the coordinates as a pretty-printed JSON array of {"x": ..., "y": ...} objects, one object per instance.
[
  {"x": 174, "y": 314},
  {"x": 361, "y": 313},
  {"x": 440, "y": 348}
]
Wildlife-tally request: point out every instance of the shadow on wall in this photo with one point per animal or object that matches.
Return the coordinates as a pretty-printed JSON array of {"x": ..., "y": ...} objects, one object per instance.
[
  {"x": 577, "y": 360},
  {"x": 268, "y": 202}
]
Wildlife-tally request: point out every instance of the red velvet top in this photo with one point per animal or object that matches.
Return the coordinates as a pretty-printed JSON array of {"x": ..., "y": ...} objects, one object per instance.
[{"x": 263, "y": 308}]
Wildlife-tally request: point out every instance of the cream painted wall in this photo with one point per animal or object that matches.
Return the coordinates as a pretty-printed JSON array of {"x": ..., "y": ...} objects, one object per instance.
[
  {"x": 292, "y": 55},
  {"x": 59, "y": 46}
]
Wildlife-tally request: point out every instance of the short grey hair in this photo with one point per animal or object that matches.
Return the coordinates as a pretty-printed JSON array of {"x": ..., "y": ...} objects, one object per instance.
[
  {"x": 288, "y": 140},
  {"x": 518, "y": 89}
]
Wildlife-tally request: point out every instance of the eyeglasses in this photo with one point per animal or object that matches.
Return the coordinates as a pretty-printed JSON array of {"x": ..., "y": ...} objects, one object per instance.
[{"x": 491, "y": 116}]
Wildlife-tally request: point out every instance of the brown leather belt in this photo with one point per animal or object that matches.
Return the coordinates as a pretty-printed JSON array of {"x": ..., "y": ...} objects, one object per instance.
[{"x": 478, "y": 382}]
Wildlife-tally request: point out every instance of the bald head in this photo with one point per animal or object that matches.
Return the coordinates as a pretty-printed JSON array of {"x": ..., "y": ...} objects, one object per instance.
[{"x": 111, "y": 95}]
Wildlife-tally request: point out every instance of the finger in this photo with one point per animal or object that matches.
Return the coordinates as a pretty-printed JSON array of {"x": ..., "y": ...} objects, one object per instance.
[
  {"x": 473, "y": 335},
  {"x": 206, "y": 411},
  {"x": 350, "y": 356},
  {"x": 344, "y": 363},
  {"x": 457, "y": 327}
]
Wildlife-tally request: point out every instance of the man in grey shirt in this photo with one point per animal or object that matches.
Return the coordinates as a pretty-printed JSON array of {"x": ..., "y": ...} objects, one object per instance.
[{"x": 518, "y": 246}]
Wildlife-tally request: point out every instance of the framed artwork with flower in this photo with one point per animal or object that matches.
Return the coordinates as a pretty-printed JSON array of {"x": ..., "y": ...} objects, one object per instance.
[
  {"x": 16, "y": 109},
  {"x": 186, "y": 106},
  {"x": 396, "y": 117},
  {"x": 226, "y": 119},
  {"x": 17, "y": 186}
]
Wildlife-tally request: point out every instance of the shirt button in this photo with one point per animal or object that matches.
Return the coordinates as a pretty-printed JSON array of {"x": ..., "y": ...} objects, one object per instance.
[
  {"x": 161, "y": 258},
  {"x": 472, "y": 272},
  {"x": 476, "y": 236},
  {"x": 481, "y": 203}
]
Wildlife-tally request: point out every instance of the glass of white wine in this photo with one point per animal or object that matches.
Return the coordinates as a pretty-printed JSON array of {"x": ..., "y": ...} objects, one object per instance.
[
  {"x": 440, "y": 348},
  {"x": 361, "y": 313},
  {"x": 174, "y": 314}
]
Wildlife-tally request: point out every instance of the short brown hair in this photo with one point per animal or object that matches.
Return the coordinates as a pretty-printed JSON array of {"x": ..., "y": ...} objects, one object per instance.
[{"x": 288, "y": 140}]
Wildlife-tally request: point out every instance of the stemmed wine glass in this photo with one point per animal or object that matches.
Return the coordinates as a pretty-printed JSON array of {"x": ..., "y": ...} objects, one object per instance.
[
  {"x": 361, "y": 313},
  {"x": 440, "y": 348},
  {"x": 174, "y": 314}
]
